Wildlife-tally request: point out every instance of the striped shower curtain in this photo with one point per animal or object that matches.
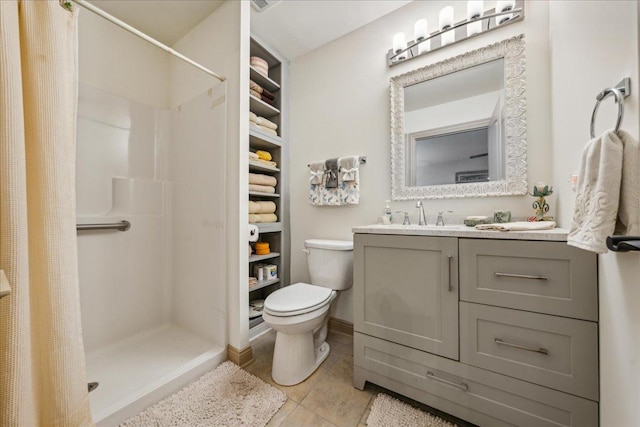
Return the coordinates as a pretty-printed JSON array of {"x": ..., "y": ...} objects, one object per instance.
[{"x": 42, "y": 367}]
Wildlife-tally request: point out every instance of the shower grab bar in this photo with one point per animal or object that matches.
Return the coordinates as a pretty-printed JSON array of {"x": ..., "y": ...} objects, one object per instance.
[
  {"x": 122, "y": 226},
  {"x": 621, "y": 91}
]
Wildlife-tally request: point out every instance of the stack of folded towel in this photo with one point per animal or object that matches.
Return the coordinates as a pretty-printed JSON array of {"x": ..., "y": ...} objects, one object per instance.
[
  {"x": 262, "y": 158},
  {"x": 260, "y": 65},
  {"x": 263, "y": 124},
  {"x": 262, "y": 212},
  {"x": 261, "y": 93},
  {"x": 262, "y": 183}
]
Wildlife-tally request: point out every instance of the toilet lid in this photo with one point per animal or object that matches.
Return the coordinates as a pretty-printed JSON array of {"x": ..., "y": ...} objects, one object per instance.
[{"x": 295, "y": 298}]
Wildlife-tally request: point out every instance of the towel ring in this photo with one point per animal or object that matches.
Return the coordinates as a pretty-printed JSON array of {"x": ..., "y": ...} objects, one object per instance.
[{"x": 619, "y": 99}]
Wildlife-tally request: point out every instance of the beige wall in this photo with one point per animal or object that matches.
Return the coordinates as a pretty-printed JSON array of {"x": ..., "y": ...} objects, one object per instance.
[
  {"x": 586, "y": 59},
  {"x": 340, "y": 106}
]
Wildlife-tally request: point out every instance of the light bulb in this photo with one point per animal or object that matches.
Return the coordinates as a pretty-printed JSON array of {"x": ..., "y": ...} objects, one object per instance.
[
  {"x": 446, "y": 22},
  {"x": 420, "y": 30},
  {"x": 399, "y": 42},
  {"x": 446, "y": 17},
  {"x": 475, "y": 10}
]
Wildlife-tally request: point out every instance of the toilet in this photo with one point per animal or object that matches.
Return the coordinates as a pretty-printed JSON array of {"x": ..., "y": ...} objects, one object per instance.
[{"x": 299, "y": 313}]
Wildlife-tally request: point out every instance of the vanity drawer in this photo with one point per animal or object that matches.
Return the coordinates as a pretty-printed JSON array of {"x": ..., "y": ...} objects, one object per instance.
[
  {"x": 476, "y": 395},
  {"x": 552, "y": 351},
  {"x": 544, "y": 277}
]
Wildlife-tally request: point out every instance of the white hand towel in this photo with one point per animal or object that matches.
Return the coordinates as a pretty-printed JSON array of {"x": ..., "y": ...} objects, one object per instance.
[
  {"x": 266, "y": 123},
  {"x": 608, "y": 194},
  {"x": 518, "y": 226},
  {"x": 348, "y": 168},
  {"x": 316, "y": 170}
]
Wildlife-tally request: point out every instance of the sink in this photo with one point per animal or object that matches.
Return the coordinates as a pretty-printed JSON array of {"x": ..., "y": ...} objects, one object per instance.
[{"x": 430, "y": 227}]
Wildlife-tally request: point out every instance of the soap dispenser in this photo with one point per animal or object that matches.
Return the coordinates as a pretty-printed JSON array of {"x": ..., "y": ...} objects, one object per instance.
[{"x": 386, "y": 215}]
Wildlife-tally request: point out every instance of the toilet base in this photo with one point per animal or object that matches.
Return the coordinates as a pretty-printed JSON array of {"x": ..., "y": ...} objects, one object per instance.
[{"x": 295, "y": 358}]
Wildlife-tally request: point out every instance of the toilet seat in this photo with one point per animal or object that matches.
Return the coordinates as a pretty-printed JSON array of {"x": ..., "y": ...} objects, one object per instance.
[{"x": 296, "y": 299}]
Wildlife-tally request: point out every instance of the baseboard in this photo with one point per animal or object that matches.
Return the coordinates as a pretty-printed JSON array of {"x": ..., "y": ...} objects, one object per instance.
[
  {"x": 240, "y": 357},
  {"x": 339, "y": 325}
]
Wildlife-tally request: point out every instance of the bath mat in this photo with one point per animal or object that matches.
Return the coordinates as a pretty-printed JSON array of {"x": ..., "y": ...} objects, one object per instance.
[
  {"x": 226, "y": 396},
  {"x": 389, "y": 412}
]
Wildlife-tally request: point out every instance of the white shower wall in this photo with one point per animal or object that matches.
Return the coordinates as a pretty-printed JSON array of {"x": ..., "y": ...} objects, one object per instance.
[{"x": 125, "y": 278}]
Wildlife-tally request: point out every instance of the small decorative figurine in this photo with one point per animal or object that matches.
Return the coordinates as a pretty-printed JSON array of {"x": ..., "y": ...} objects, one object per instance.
[
  {"x": 540, "y": 206},
  {"x": 501, "y": 217}
]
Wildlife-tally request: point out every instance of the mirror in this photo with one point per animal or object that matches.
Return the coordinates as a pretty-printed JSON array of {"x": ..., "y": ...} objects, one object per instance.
[{"x": 459, "y": 126}]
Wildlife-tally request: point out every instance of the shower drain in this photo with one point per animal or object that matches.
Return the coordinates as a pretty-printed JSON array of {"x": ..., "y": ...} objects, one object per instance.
[{"x": 93, "y": 386}]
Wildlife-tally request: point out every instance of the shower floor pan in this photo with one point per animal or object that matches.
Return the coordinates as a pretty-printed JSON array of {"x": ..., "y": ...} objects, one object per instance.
[{"x": 142, "y": 370}]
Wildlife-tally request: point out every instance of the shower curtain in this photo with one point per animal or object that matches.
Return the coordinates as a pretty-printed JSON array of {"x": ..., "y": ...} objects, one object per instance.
[{"x": 42, "y": 368}]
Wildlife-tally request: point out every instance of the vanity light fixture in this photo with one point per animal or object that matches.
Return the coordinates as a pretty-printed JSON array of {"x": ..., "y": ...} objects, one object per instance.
[
  {"x": 447, "y": 35},
  {"x": 421, "y": 32},
  {"x": 477, "y": 21},
  {"x": 504, "y": 6},
  {"x": 475, "y": 10},
  {"x": 400, "y": 46}
]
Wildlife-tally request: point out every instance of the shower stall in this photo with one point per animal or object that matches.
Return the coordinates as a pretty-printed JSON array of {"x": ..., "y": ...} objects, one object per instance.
[{"x": 153, "y": 297}]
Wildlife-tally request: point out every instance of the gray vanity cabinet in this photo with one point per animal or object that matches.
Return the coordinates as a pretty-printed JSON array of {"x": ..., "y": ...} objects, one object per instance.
[
  {"x": 406, "y": 291},
  {"x": 518, "y": 330}
]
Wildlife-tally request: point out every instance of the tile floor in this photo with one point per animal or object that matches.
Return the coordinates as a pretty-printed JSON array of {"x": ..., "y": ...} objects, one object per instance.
[{"x": 325, "y": 399}]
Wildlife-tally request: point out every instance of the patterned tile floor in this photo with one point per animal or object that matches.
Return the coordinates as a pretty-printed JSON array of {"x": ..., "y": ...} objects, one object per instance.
[{"x": 327, "y": 398}]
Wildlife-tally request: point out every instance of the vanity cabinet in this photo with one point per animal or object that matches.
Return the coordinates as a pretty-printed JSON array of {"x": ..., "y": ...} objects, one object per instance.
[
  {"x": 496, "y": 332},
  {"x": 406, "y": 289}
]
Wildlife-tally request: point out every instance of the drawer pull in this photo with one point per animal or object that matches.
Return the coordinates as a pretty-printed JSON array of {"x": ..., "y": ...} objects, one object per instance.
[
  {"x": 523, "y": 347},
  {"x": 450, "y": 275},
  {"x": 521, "y": 276},
  {"x": 461, "y": 386}
]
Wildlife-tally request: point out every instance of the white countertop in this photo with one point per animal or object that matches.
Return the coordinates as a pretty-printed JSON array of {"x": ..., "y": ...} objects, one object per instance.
[{"x": 556, "y": 234}]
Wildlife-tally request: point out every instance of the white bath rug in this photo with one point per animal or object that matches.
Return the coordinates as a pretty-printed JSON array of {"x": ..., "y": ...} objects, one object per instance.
[
  {"x": 389, "y": 412},
  {"x": 226, "y": 396}
]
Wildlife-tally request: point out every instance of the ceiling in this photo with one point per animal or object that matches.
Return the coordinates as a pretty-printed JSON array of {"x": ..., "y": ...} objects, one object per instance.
[
  {"x": 294, "y": 27},
  {"x": 164, "y": 20}
]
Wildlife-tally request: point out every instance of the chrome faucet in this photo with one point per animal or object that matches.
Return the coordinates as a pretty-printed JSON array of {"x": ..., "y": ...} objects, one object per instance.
[
  {"x": 406, "y": 217},
  {"x": 421, "y": 218},
  {"x": 440, "y": 220}
]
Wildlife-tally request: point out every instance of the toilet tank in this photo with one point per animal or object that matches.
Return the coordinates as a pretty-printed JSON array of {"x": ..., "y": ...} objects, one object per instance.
[{"x": 330, "y": 263}]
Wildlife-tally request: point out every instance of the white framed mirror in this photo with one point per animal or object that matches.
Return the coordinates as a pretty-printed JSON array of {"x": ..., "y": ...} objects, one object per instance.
[{"x": 458, "y": 127}]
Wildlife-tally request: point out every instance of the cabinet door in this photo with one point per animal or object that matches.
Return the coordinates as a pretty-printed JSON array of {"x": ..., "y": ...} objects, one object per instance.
[{"x": 406, "y": 291}]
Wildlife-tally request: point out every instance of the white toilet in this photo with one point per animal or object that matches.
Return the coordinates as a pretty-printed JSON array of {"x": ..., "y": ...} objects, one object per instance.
[{"x": 299, "y": 313}]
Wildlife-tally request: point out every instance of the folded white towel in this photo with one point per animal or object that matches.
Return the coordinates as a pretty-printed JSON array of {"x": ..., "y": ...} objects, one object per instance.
[
  {"x": 263, "y": 128},
  {"x": 262, "y": 188},
  {"x": 266, "y": 123},
  {"x": 608, "y": 193},
  {"x": 253, "y": 117},
  {"x": 261, "y": 179},
  {"x": 348, "y": 168},
  {"x": 261, "y": 207},
  {"x": 253, "y": 156},
  {"x": 258, "y": 218},
  {"x": 518, "y": 226},
  {"x": 316, "y": 170}
]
